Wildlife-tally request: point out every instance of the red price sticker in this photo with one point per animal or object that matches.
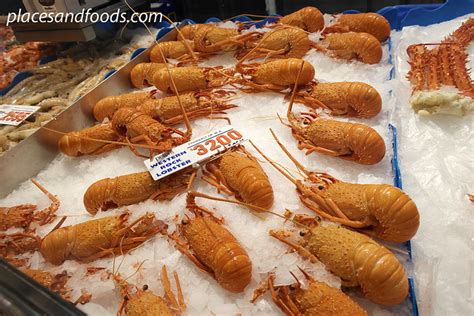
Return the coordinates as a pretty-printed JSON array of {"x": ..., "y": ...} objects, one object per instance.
[
  {"x": 15, "y": 114},
  {"x": 217, "y": 143}
]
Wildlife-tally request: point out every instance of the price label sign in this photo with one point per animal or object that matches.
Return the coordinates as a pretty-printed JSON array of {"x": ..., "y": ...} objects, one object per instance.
[
  {"x": 15, "y": 114},
  {"x": 193, "y": 152}
]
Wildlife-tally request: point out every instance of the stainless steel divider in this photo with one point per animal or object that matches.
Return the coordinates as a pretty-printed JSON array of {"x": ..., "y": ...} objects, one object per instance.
[{"x": 33, "y": 154}]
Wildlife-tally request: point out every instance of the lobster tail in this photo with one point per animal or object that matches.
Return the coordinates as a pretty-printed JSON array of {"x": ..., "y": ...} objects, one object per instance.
[
  {"x": 309, "y": 19},
  {"x": 107, "y": 106},
  {"x": 142, "y": 74},
  {"x": 361, "y": 46},
  {"x": 257, "y": 188},
  {"x": 100, "y": 196},
  {"x": 367, "y": 146},
  {"x": 380, "y": 275},
  {"x": 56, "y": 246},
  {"x": 70, "y": 144},
  {"x": 372, "y": 23},
  {"x": 363, "y": 99},
  {"x": 397, "y": 213},
  {"x": 236, "y": 272}
]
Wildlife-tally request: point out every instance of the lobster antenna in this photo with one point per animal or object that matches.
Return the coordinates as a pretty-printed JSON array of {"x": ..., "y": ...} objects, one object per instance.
[
  {"x": 136, "y": 271},
  {"x": 59, "y": 224},
  {"x": 103, "y": 141},
  {"x": 257, "y": 208},
  {"x": 306, "y": 274},
  {"x": 251, "y": 16},
  {"x": 167, "y": 288},
  {"x": 293, "y": 159},
  {"x": 239, "y": 62},
  {"x": 275, "y": 165},
  {"x": 186, "y": 119},
  {"x": 171, "y": 22},
  {"x": 293, "y": 94},
  {"x": 121, "y": 253},
  {"x": 296, "y": 279}
]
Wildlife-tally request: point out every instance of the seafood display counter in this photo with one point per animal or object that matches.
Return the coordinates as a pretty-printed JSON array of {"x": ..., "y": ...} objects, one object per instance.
[{"x": 243, "y": 167}]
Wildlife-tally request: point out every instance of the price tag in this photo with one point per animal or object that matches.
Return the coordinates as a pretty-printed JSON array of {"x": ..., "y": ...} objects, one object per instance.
[
  {"x": 15, "y": 114},
  {"x": 193, "y": 152}
]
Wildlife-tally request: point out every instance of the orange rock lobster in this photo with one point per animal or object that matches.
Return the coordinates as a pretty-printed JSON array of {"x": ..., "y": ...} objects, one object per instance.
[
  {"x": 167, "y": 110},
  {"x": 187, "y": 32},
  {"x": 360, "y": 46},
  {"x": 379, "y": 210},
  {"x": 213, "y": 249},
  {"x": 238, "y": 173},
  {"x": 357, "y": 259},
  {"x": 356, "y": 99},
  {"x": 107, "y": 106},
  {"x": 23, "y": 215},
  {"x": 56, "y": 283},
  {"x": 138, "y": 127},
  {"x": 309, "y": 19},
  {"x": 276, "y": 75},
  {"x": 134, "y": 188},
  {"x": 93, "y": 140},
  {"x": 191, "y": 78},
  {"x": 209, "y": 38},
  {"x": 179, "y": 50},
  {"x": 12, "y": 245},
  {"x": 316, "y": 298},
  {"x": 144, "y": 302},
  {"x": 372, "y": 23},
  {"x": 98, "y": 238},
  {"x": 196, "y": 104},
  {"x": 349, "y": 141},
  {"x": 282, "y": 42}
]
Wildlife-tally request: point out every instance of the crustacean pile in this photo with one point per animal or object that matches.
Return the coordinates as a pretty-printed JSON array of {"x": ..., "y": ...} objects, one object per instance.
[
  {"x": 180, "y": 93},
  {"x": 439, "y": 75}
]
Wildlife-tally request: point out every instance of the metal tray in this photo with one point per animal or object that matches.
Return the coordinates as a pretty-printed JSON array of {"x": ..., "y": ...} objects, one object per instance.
[{"x": 33, "y": 154}]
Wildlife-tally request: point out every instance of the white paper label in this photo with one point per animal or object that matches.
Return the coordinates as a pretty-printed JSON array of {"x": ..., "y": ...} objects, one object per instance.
[
  {"x": 15, "y": 114},
  {"x": 193, "y": 152}
]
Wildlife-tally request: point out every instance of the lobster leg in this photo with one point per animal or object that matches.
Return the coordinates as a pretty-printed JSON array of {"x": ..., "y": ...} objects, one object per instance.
[
  {"x": 315, "y": 103},
  {"x": 289, "y": 302},
  {"x": 169, "y": 295},
  {"x": 196, "y": 209},
  {"x": 215, "y": 178},
  {"x": 48, "y": 214},
  {"x": 260, "y": 87},
  {"x": 262, "y": 288},
  {"x": 301, "y": 250},
  {"x": 311, "y": 148},
  {"x": 278, "y": 301},
  {"x": 180, "y": 292},
  {"x": 355, "y": 224},
  {"x": 194, "y": 114}
]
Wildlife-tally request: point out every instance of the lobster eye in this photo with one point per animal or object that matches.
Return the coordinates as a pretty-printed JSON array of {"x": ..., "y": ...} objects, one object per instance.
[
  {"x": 321, "y": 187},
  {"x": 302, "y": 233},
  {"x": 185, "y": 221},
  {"x": 145, "y": 287},
  {"x": 293, "y": 287}
]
